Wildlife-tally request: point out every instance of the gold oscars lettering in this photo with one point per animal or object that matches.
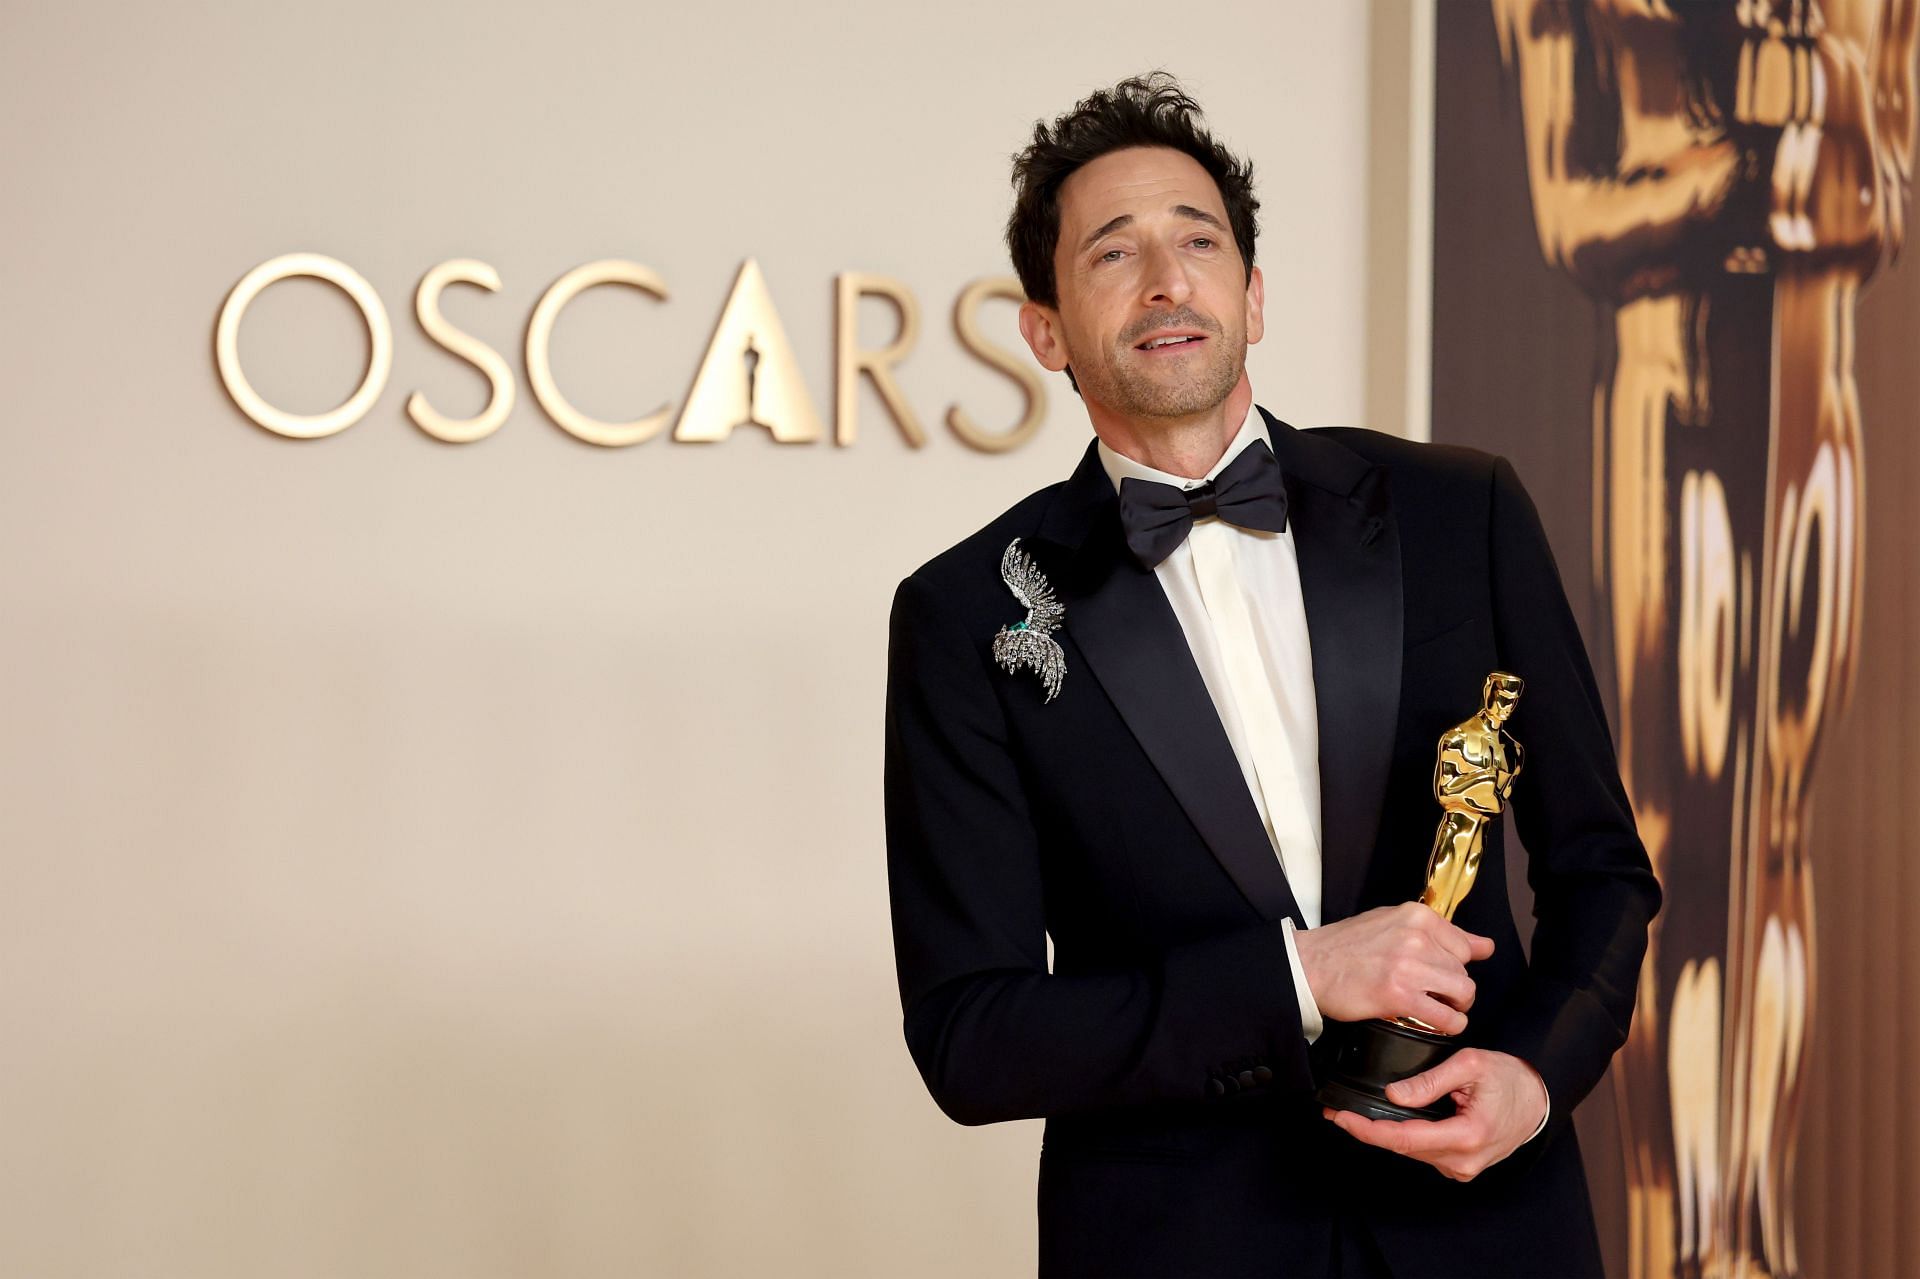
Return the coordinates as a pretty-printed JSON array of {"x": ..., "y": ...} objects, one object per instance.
[
  {"x": 748, "y": 375},
  {"x": 1475, "y": 764},
  {"x": 1721, "y": 179}
]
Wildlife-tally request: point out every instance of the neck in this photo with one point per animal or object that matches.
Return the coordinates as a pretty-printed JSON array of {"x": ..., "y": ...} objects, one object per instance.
[{"x": 1187, "y": 447}]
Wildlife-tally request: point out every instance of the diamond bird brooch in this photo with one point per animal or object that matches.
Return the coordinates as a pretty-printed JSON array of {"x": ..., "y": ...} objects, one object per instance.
[{"x": 1029, "y": 642}]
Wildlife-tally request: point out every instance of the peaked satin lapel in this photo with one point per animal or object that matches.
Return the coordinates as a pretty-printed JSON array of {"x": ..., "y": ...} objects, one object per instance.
[
  {"x": 1119, "y": 617},
  {"x": 1348, "y": 544}
]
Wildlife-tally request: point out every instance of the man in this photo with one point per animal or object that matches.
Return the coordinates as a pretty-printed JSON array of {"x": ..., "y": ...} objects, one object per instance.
[{"x": 1200, "y": 762}]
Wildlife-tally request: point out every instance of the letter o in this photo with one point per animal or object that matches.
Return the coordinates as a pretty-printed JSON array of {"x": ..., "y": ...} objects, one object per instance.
[{"x": 226, "y": 345}]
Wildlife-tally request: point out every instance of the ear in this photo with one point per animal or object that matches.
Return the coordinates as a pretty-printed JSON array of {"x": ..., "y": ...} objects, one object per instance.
[
  {"x": 1256, "y": 306},
  {"x": 1040, "y": 326}
]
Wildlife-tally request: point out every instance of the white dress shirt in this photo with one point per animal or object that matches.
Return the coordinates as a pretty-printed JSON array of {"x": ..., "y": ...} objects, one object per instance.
[{"x": 1252, "y": 644}]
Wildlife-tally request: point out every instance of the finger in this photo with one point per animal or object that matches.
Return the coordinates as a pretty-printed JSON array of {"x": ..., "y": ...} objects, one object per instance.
[
  {"x": 1463, "y": 945},
  {"x": 1443, "y": 1018},
  {"x": 1415, "y": 1138},
  {"x": 1457, "y": 942},
  {"x": 1452, "y": 986},
  {"x": 1427, "y": 1087},
  {"x": 1383, "y": 1133},
  {"x": 1433, "y": 1139}
]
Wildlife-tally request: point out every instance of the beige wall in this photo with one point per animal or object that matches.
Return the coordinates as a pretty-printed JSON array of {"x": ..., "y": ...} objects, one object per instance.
[{"x": 466, "y": 860}]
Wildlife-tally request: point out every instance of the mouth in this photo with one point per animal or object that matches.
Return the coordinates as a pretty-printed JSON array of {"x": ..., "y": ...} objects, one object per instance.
[{"x": 1170, "y": 342}]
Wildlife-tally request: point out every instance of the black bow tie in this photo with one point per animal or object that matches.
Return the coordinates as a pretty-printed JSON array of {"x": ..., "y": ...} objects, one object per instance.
[{"x": 1249, "y": 493}]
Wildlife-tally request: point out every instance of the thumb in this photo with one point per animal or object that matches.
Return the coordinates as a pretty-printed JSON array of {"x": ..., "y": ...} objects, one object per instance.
[{"x": 1429, "y": 1086}]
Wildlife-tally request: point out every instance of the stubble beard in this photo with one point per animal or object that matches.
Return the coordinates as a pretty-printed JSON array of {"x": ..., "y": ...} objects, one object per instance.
[{"x": 1139, "y": 392}]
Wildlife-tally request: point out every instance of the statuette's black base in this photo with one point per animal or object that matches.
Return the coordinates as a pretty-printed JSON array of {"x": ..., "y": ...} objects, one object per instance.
[{"x": 1372, "y": 1054}]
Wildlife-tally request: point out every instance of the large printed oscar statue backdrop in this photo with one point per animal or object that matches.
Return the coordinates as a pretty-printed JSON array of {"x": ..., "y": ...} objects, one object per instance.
[{"x": 1655, "y": 225}]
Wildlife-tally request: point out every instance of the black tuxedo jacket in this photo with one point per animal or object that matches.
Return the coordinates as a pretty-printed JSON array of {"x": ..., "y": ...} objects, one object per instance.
[{"x": 1163, "y": 1047}]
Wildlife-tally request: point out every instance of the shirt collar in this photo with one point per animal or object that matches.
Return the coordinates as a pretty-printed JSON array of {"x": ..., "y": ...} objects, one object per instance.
[{"x": 1121, "y": 467}]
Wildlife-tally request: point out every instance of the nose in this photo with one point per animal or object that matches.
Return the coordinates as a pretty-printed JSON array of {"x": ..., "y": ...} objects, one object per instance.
[{"x": 1164, "y": 283}]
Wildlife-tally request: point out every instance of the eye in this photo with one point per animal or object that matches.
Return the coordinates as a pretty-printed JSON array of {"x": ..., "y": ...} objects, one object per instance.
[
  {"x": 1202, "y": 242},
  {"x": 1111, "y": 255}
]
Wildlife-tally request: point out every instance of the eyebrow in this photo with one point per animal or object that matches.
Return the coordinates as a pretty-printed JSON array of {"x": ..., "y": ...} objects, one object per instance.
[
  {"x": 1126, "y": 219},
  {"x": 1198, "y": 215},
  {"x": 1106, "y": 229}
]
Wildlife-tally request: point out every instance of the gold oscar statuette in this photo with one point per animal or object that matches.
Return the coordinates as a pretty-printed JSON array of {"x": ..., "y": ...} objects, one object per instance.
[{"x": 1477, "y": 761}]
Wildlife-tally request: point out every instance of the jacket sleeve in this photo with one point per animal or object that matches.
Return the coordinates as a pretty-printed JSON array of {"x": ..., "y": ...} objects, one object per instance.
[
  {"x": 994, "y": 1033},
  {"x": 1593, "y": 886}
]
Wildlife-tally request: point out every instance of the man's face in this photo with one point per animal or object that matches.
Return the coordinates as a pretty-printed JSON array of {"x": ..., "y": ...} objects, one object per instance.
[{"x": 1156, "y": 307}]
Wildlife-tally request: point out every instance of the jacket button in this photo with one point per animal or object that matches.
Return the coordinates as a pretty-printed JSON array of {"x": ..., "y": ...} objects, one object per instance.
[
  {"x": 1216, "y": 1087},
  {"x": 1263, "y": 1074},
  {"x": 1246, "y": 1079}
]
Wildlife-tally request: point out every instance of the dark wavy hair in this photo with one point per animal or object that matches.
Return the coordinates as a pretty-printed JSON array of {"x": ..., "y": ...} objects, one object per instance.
[{"x": 1141, "y": 111}]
